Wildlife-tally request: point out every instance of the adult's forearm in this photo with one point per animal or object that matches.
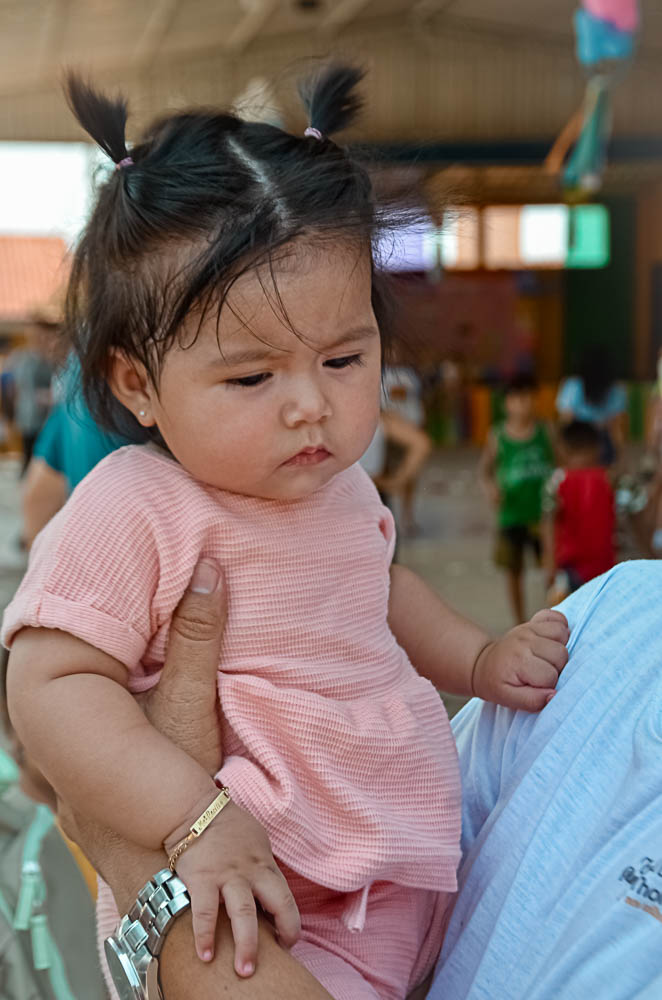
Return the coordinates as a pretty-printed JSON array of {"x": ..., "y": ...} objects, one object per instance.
[
  {"x": 442, "y": 645},
  {"x": 278, "y": 976}
]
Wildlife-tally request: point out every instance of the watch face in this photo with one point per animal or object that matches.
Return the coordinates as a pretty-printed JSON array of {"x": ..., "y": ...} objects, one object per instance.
[{"x": 122, "y": 972}]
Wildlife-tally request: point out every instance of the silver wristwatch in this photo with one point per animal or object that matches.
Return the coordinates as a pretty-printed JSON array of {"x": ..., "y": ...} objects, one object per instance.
[{"x": 132, "y": 951}]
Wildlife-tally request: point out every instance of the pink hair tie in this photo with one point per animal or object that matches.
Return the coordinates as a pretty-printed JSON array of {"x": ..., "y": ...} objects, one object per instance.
[
  {"x": 126, "y": 162},
  {"x": 313, "y": 133}
]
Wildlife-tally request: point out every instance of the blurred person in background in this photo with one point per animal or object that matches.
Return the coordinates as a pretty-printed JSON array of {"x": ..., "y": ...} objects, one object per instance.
[
  {"x": 412, "y": 447},
  {"x": 402, "y": 394},
  {"x": 515, "y": 464},
  {"x": 453, "y": 379},
  {"x": 578, "y": 513},
  {"x": 595, "y": 397},
  {"x": 69, "y": 445},
  {"x": 31, "y": 369}
]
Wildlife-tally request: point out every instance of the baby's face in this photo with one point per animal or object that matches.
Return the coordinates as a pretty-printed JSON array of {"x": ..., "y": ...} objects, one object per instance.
[{"x": 276, "y": 413}]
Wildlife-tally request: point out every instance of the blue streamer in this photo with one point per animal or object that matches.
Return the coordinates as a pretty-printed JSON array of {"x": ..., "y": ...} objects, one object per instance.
[{"x": 599, "y": 40}]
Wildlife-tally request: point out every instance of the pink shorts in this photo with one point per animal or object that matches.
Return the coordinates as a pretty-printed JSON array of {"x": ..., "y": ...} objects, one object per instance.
[
  {"x": 395, "y": 951},
  {"x": 389, "y": 957}
]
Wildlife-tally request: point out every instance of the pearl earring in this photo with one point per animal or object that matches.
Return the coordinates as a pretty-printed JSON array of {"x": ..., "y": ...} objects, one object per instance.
[{"x": 142, "y": 413}]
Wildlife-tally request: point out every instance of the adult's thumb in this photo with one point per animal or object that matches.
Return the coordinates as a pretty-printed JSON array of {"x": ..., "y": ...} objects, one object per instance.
[
  {"x": 197, "y": 626},
  {"x": 184, "y": 704}
]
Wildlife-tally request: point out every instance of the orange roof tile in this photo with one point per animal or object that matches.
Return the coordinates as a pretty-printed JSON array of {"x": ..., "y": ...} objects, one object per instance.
[{"x": 33, "y": 271}]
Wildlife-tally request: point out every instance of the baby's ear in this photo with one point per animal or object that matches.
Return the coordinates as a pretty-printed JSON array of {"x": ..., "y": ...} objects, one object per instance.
[{"x": 131, "y": 386}]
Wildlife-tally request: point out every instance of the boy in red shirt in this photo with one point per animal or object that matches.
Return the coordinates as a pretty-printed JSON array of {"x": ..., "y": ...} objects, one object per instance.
[{"x": 578, "y": 509}]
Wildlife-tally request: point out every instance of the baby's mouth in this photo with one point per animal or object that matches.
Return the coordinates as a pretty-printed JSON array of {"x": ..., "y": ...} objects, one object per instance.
[{"x": 313, "y": 455}]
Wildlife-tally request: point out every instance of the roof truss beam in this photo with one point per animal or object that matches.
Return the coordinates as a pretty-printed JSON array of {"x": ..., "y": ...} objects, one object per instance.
[
  {"x": 342, "y": 12},
  {"x": 156, "y": 29},
  {"x": 256, "y": 15}
]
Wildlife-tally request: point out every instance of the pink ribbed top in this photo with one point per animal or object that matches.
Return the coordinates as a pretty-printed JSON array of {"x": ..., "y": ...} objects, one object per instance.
[{"x": 331, "y": 739}]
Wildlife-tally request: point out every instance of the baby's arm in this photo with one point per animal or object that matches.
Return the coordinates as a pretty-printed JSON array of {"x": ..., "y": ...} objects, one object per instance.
[
  {"x": 72, "y": 711},
  {"x": 519, "y": 670}
]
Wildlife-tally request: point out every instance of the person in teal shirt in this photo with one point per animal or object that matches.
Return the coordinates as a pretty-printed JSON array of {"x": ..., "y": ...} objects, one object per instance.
[
  {"x": 69, "y": 445},
  {"x": 517, "y": 460}
]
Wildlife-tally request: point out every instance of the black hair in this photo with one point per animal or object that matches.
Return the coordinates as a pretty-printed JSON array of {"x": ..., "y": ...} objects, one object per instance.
[
  {"x": 580, "y": 435},
  {"x": 596, "y": 371},
  {"x": 203, "y": 197},
  {"x": 520, "y": 382}
]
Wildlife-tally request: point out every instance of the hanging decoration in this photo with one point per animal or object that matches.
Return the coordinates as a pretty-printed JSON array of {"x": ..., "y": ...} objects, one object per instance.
[{"x": 606, "y": 33}]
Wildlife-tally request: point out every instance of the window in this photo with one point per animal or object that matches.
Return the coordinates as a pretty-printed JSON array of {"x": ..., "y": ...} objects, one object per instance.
[{"x": 514, "y": 237}]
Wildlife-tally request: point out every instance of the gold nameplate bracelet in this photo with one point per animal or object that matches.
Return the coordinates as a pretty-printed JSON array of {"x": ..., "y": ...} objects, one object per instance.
[{"x": 200, "y": 825}]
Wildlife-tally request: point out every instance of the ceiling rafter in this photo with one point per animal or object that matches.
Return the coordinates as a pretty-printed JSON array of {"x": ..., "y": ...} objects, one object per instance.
[
  {"x": 36, "y": 61},
  {"x": 342, "y": 13},
  {"x": 257, "y": 13},
  {"x": 158, "y": 24},
  {"x": 426, "y": 8}
]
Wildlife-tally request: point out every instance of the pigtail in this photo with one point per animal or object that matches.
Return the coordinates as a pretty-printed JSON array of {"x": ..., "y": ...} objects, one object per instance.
[
  {"x": 330, "y": 98},
  {"x": 103, "y": 118}
]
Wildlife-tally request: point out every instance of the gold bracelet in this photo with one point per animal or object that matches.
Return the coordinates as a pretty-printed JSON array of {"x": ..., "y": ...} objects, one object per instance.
[
  {"x": 480, "y": 652},
  {"x": 200, "y": 825}
]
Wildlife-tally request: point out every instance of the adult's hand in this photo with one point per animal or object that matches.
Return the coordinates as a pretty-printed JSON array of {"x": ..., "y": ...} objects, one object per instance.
[{"x": 184, "y": 704}]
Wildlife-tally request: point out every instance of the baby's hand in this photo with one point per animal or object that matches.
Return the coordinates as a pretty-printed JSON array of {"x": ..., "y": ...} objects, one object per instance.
[
  {"x": 232, "y": 858},
  {"x": 521, "y": 669}
]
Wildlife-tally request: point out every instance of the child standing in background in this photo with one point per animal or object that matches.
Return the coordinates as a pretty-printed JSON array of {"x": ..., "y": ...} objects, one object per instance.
[
  {"x": 515, "y": 464},
  {"x": 578, "y": 509}
]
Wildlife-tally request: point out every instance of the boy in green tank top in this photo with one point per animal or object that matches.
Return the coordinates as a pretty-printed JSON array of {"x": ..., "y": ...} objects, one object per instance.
[{"x": 516, "y": 462}]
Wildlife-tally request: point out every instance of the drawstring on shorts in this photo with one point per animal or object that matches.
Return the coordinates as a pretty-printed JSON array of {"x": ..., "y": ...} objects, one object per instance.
[{"x": 355, "y": 912}]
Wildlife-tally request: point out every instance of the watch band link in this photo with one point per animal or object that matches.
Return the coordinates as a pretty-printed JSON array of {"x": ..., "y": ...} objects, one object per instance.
[{"x": 162, "y": 899}]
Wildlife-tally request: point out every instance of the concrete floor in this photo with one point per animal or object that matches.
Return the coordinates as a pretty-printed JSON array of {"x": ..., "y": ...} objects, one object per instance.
[{"x": 452, "y": 551}]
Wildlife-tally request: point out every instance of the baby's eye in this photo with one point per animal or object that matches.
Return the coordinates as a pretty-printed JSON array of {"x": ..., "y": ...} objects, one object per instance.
[
  {"x": 351, "y": 359},
  {"x": 249, "y": 380}
]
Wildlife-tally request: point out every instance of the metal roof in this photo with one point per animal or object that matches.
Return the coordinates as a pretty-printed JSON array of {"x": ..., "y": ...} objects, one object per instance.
[{"x": 439, "y": 69}]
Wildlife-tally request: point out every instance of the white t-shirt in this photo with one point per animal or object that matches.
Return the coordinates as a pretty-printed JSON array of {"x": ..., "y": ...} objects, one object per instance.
[
  {"x": 407, "y": 399},
  {"x": 560, "y": 888}
]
